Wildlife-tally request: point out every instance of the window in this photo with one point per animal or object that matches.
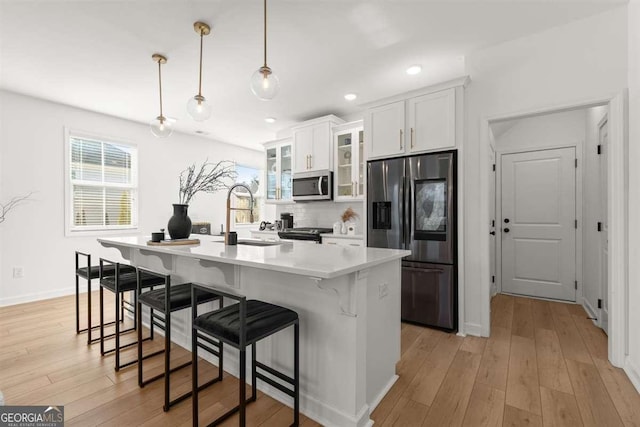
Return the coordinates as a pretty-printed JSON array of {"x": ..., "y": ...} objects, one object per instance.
[
  {"x": 251, "y": 178},
  {"x": 102, "y": 184}
]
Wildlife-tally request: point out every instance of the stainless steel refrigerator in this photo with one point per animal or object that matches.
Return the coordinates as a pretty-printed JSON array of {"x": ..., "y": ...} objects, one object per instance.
[{"x": 411, "y": 204}]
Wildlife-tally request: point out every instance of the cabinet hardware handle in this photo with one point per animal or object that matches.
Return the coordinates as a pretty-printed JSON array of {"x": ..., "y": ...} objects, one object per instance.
[
  {"x": 352, "y": 186},
  {"x": 401, "y": 139},
  {"x": 310, "y": 161},
  {"x": 354, "y": 244},
  {"x": 411, "y": 137},
  {"x": 278, "y": 193}
]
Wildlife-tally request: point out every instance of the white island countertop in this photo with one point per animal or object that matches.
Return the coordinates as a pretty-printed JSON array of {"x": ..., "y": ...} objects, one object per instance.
[{"x": 303, "y": 258}]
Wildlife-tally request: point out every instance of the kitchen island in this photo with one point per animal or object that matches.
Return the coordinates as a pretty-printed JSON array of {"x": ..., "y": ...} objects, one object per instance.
[{"x": 348, "y": 300}]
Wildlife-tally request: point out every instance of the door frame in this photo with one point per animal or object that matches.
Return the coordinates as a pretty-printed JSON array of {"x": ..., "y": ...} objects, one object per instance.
[
  {"x": 617, "y": 210},
  {"x": 578, "y": 147}
]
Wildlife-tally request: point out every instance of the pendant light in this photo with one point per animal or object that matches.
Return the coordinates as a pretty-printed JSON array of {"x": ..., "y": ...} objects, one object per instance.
[
  {"x": 197, "y": 106},
  {"x": 264, "y": 83},
  {"x": 160, "y": 126}
]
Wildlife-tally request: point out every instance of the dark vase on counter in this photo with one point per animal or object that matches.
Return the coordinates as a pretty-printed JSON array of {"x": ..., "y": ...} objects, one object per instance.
[{"x": 179, "y": 224}]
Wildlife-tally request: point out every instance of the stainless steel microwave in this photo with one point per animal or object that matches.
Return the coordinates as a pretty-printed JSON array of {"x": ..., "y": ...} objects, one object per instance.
[{"x": 316, "y": 185}]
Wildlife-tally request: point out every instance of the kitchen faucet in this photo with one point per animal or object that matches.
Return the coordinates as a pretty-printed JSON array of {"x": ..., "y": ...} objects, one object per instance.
[{"x": 229, "y": 209}]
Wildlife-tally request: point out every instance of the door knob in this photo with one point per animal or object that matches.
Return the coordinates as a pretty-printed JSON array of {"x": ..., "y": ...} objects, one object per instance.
[
  {"x": 506, "y": 230},
  {"x": 506, "y": 220},
  {"x": 493, "y": 233}
]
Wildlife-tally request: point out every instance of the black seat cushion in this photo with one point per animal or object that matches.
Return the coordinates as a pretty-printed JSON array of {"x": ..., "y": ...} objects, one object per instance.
[
  {"x": 108, "y": 270},
  {"x": 128, "y": 281},
  {"x": 262, "y": 319},
  {"x": 180, "y": 297}
]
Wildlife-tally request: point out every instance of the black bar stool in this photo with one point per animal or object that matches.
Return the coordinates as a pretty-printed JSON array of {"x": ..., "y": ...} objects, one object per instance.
[
  {"x": 164, "y": 302},
  {"x": 89, "y": 273},
  {"x": 123, "y": 280},
  {"x": 240, "y": 325}
]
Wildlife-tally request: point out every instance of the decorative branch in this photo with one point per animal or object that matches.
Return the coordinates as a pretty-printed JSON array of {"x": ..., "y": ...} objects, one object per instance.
[
  {"x": 6, "y": 207},
  {"x": 209, "y": 179},
  {"x": 349, "y": 214}
]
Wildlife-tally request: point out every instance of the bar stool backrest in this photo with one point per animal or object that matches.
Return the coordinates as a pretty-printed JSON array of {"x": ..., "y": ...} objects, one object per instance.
[{"x": 242, "y": 301}]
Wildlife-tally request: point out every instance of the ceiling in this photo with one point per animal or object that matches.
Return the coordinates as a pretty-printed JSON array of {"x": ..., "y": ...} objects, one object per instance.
[{"x": 96, "y": 55}]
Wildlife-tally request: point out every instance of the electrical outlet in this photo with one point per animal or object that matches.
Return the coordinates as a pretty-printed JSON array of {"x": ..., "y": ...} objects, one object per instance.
[
  {"x": 383, "y": 290},
  {"x": 18, "y": 272}
]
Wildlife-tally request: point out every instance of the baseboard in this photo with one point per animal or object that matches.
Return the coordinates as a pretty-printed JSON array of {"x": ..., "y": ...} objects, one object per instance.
[
  {"x": 474, "y": 329},
  {"x": 633, "y": 372},
  {"x": 37, "y": 296}
]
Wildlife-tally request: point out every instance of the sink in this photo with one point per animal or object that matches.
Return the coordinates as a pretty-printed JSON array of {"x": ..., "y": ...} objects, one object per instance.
[{"x": 258, "y": 243}]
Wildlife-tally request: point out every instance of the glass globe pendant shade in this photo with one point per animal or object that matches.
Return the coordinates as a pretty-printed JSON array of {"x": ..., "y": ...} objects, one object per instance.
[
  {"x": 161, "y": 127},
  {"x": 199, "y": 108},
  {"x": 264, "y": 84}
]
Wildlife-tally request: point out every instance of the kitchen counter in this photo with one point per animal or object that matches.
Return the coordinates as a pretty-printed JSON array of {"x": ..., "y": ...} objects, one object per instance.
[
  {"x": 348, "y": 300},
  {"x": 343, "y": 236}
]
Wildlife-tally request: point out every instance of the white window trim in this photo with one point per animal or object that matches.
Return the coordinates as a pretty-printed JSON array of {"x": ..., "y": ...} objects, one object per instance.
[{"x": 73, "y": 231}]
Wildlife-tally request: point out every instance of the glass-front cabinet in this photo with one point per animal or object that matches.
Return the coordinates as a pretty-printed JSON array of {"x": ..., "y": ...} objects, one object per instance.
[
  {"x": 349, "y": 161},
  {"x": 278, "y": 170}
]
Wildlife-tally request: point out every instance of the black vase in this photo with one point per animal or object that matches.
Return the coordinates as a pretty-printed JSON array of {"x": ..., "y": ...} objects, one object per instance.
[{"x": 179, "y": 224}]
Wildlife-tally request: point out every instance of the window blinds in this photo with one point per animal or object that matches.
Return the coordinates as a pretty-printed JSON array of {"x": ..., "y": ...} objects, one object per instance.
[{"x": 103, "y": 189}]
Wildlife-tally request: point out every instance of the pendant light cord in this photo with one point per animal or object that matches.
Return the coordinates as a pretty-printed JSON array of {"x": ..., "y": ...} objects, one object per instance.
[
  {"x": 160, "y": 86},
  {"x": 200, "y": 78},
  {"x": 265, "y": 33}
]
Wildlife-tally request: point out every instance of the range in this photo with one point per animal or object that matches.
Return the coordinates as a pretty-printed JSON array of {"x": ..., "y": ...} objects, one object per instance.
[{"x": 304, "y": 233}]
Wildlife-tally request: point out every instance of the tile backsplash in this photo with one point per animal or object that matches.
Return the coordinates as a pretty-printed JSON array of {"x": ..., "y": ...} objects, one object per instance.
[{"x": 321, "y": 214}]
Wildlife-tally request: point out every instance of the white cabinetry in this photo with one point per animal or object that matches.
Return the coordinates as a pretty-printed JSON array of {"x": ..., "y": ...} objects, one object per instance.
[
  {"x": 312, "y": 142},
  {"x": 348, "y": 143},
  {"x": 342, "y": 240},
  {"x": 278, "y": 170},
  {"x": 421, "y": 121}
]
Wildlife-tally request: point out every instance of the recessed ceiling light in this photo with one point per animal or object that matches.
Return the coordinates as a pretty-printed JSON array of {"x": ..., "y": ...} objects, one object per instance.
[
  {"x": 414, "y": 69},
  {"x": 350, "y": 96},
  {"x": 270, "y": 120}
]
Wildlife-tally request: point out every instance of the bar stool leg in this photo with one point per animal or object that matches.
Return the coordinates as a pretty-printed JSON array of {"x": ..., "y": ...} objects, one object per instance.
[
  {"x": 101, "y": 321},
  {"x": 167, "y": 357},
  {"x": 117, "y": 337},
  {"x": 194, "y": 376},
  {"x": 243, "y": 387},
  {"x": 77, "y": 300},
  {"x": 89, "y": 328},
  {"x": 139, "y": 332},
  {"x": 296, "y": 374},
  {"x": 253, "y": 373}
]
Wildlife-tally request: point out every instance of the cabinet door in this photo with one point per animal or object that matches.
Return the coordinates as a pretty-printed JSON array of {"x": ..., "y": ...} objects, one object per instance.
[
  {"x": 272, "y": 174},
  {"x": 286, "y": 170},
  {"x": 384, "y": 130},
  {"x": 303, "y": 141},
  {"x": 432, "y": 121},
  {"x": 321, "y": 148},
  {"x": 344, "y": 166}
]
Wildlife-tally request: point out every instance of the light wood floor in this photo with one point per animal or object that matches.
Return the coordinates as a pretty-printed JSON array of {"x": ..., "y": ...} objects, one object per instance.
[{"x": 545, "y": 364}]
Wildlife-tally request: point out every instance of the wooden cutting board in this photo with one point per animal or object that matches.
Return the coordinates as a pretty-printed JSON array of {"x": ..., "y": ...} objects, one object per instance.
[{"x": 176, "y": 242}]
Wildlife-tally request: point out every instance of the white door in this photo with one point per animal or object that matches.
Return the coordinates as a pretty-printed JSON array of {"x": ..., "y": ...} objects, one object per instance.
[
  {"x": 538, "y": 223},
  {"x": 603, "y": 136}
]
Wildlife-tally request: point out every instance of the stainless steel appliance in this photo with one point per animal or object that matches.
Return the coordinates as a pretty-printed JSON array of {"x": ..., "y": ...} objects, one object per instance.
[
  {"x": 411, "y": 204},
  {"x": 315, "y": 185},
  {"x": 305, "y": 233},
  {"x": 287, "y": 220}
]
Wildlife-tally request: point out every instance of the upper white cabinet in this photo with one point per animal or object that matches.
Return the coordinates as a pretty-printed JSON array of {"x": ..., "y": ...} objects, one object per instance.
[
  {"x": 417, "y": 122},
  {"x": 313, "y": 144},
  {"x": 432, "y": 121},
  {"x": 348, "y": 161},
  {"x": 278, "y": 170},
  {"x": 384, "y": 129}
]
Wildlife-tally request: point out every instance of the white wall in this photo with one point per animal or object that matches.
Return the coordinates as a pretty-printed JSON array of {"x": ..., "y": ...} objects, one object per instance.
[
  {"x": 581, "y": 60},
  {"x": 632, "y": 366},
  {"x": 592, "y": 213},
  {"x": 539, "y": 132},
  {"x": 32, "y": 159}
]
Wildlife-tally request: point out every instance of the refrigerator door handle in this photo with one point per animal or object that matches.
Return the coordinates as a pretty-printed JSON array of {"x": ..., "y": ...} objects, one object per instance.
[{"x": 401, "y": 213}]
